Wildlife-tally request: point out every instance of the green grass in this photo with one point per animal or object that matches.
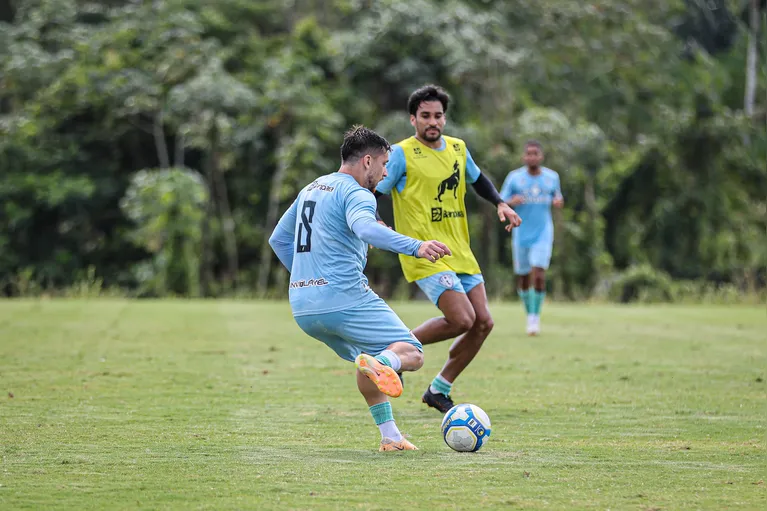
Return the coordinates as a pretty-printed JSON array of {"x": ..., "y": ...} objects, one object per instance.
[{"x": 227, "y": 405}]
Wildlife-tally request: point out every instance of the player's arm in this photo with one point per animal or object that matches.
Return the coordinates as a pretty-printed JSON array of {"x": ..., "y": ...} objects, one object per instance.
[
  {"x": 378, "y": 194},
  {"x": 360, "y": 217},
  {"x": 559, "y": 200},
  {"x": 486, "y": 189},
  {"x": 508, "y": 192},
  {"x": 395, "y": 175},
  {"x": 283, "y": 235}
]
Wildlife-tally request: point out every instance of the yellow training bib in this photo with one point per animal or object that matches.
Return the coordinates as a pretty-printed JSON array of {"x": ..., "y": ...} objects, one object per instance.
[{"x": 432, "y": 207}]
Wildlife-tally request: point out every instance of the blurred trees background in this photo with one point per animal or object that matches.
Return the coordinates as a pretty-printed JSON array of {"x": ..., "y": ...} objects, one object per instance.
[{"x": 150, "y": 147}]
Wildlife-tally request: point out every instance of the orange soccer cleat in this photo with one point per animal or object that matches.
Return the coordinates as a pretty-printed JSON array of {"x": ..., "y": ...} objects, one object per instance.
[
  {"x": 387, "y": 444},
  {"x": 385, "y": 378}
]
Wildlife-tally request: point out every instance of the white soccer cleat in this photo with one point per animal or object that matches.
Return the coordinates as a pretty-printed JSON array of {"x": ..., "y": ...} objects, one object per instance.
[{"x": 533, "y": 325}]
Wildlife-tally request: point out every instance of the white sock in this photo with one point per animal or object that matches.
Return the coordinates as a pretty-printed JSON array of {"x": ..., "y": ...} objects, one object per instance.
[
  {"x": 389, "y": 430},
  {"x": 394, "y": 360}
]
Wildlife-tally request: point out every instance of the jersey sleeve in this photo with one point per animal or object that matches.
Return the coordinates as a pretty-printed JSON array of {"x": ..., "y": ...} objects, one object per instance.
[
  {"x": 472, "y": 170},
  {"x": 395, "y": 169},
  {"x": 360, "y": 217},
  {"x": 282, "y": 237},
  {"x": 359, "y": 204},
  {"x": 507, "y": 189},
  {"x": 557, "y": 186},
  {"x": 373, "y": 233}
]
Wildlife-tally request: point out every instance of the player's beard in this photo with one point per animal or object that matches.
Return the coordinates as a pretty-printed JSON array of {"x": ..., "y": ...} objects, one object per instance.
[
  {"x": 429, "y": 135},
  {"x": 371, "y": 183}
]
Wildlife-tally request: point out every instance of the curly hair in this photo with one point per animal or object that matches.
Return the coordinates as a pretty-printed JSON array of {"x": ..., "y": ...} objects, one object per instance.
[{"x": 427, "y": 93}]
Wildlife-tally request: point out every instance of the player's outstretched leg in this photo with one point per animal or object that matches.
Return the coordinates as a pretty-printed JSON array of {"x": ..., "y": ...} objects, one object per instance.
[
  {"x": 406, "y": 357},
  {"x": 463, "y": 350}
]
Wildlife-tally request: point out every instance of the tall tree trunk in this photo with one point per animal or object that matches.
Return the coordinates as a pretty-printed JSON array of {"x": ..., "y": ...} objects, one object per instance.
[
  {"x": 178, "y": 159},
  {"x": 224, "y": 211},
  {"x": 272, "y": 212},
  {"x": 159, "y": 140},
  {"x": 206, "y": 249},
  {"x": 751, "y": 57},
  {"x": 590, "y": 200}
]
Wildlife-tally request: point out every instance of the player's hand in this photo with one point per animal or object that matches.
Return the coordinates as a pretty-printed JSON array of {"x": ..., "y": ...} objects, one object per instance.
[
  {"x": 558, "y": 201},
  {"x": 516, "y": 200},
  {"x": 505, "y": 213},
  {"x": 433, "y": 250}
]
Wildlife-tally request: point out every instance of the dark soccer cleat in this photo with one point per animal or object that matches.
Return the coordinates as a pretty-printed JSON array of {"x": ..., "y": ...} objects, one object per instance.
[{"x": 439, "y": 401}]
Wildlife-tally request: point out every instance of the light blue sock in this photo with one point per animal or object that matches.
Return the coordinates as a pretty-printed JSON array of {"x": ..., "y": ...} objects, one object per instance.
[
  {"x": 439, "y": 385},
  {"x": 389, "y": 358},
  {"x": 538, "y": 297},
  {"x": 384, "y": 419},
  {"x": 526, "y": 296}
]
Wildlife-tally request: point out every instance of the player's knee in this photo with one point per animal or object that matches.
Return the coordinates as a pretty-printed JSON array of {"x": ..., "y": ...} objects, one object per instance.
[
  {"x": 417, "y": 360},
  {"x": 484, "y": 325},
  {"x": 463, "y": 321}
]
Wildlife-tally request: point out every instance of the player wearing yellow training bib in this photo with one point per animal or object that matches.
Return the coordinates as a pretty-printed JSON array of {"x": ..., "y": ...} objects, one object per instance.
[
  {"x": 429, "y": 198},
  {"x": 428, "y": 175}
]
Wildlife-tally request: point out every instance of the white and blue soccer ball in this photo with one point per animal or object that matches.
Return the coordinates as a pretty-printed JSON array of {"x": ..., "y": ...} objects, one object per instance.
[{"x": 466, "y": 428}]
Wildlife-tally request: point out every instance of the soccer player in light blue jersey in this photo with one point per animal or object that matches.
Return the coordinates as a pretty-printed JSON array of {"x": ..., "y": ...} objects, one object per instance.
[
  {"x": 322, "y": 239},
  {"x": 532, "y": 190}
]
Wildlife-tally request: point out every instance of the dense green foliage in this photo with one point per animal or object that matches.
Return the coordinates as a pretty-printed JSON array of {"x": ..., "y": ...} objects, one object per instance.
[{"x": 641, "y": 105}]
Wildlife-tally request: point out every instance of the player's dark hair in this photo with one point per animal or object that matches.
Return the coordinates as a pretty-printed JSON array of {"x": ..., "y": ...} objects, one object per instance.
[
  {"x": 534, "y": 143},
  {"x": 359, "y": 141},
  {"x": 427, "y": 93}
]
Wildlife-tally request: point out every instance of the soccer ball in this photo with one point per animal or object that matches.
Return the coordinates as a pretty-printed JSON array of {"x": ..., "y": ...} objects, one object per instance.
[{"x": 466, "y": 428}]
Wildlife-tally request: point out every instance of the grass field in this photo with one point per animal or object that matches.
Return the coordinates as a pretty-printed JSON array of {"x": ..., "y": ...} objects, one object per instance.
[{"x": 227, "y": 405}]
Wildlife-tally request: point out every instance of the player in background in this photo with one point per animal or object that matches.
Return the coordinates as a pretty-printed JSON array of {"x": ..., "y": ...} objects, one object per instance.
[
  {"x": 532, "y": 190},
  {"x": 428, "y": 175},
  {"x": 322, "y": 239}
]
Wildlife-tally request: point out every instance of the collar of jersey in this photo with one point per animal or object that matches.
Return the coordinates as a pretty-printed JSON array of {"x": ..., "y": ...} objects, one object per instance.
[{"x": 444, "y": 145}]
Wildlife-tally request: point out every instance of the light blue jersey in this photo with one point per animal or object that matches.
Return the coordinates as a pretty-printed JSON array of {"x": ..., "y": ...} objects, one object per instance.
[
  {"x": 396, "y": 170},
  {"x": 537, "y": 226},
  {"x": 323, "y": 240}
]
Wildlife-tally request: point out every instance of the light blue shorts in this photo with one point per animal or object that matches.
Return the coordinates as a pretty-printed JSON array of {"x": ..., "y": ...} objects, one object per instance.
[
  {"x": 534, "y": 256},
  {"x": 368, "y": 328},
  {"x": 438, "y": 283}
]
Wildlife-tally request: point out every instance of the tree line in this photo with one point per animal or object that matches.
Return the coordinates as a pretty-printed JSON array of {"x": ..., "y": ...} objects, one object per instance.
[{"x": 150, "y": 147}]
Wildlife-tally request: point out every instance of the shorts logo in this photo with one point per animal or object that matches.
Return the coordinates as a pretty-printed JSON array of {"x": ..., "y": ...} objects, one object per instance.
[{"x": 446, "y": 281}]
